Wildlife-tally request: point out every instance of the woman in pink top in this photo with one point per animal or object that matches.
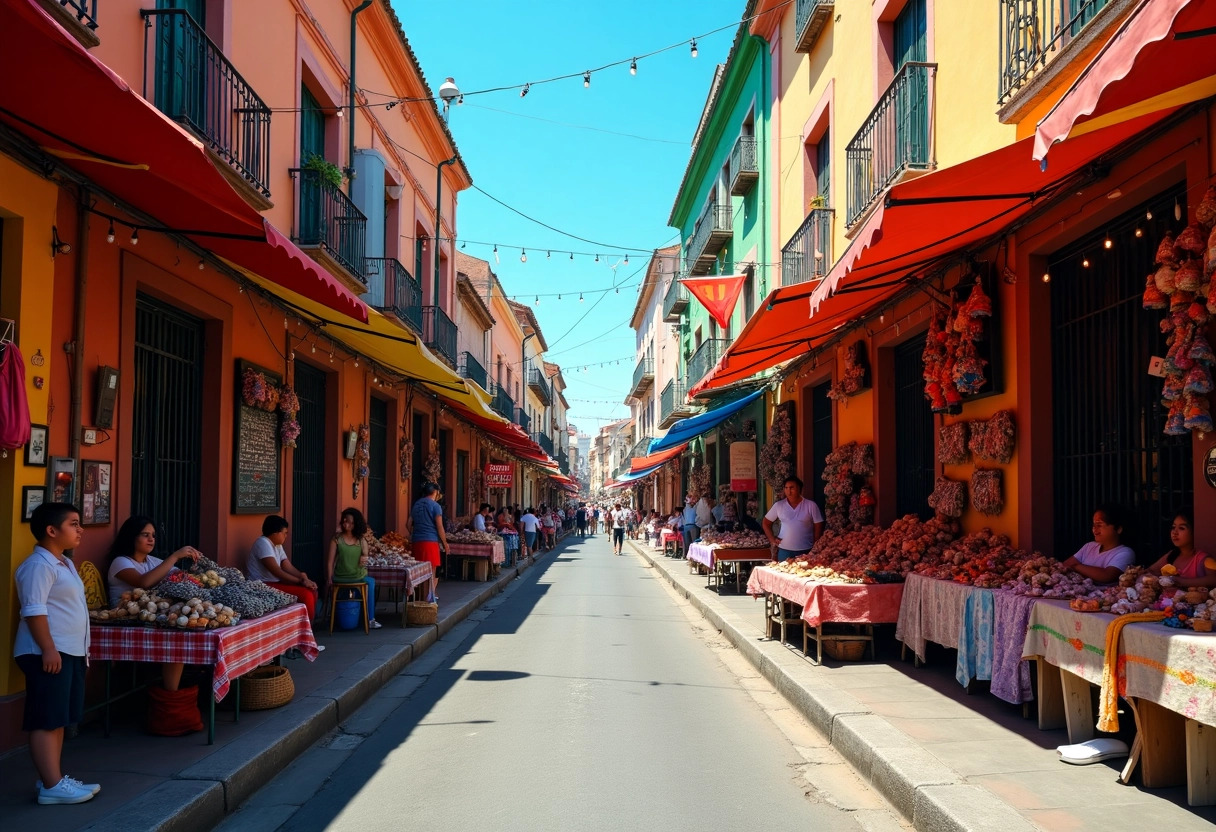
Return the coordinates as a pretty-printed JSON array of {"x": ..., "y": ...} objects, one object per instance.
[{"x": 1191, "y": 564}]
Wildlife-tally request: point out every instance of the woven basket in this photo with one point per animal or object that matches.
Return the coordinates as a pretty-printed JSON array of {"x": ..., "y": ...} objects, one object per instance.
[
  {"x": 844, "y": 651},
  {"x": 266, "y": 687},
  {"x": 420, "y": 613}
]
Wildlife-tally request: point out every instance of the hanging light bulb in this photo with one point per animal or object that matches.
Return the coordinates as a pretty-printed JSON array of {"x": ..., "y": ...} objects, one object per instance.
[
  {"x": 586, "y": 79},
  {"x": 626, "y": 259},
  {"x": 135, "y": 237},
  {"x": 1139, "y": 232},
  {"x": 618, "y": 290},
  {"x": 314, "y": 348},
  {"x": 580, "y": 297},
  {"x": 1046, "y": 277},
  {"x": 462, "y": 245},
  {"x": 633, "y": 67},
  {"x": 548, "y": 255},
  {"x": 559, "y": 295},
  {"x": 284, "y": 322},
  {"x": 1108, "y": 242},
  {"x": 356, "y": 362},
  {"x": 523, "y": 256},
  {"x": 572, "y": 255},
  {"x": 1177, "y": 209},
  {"x": 460, "y": 100},
  {"x": 537, "y": 301},
  {"x": 375, "y": 379},
  {"x": 525, "y": 90},
  {"x": 597, "y": 258},
  {"x": 694, "y": 47},
  {"x": 110, "y": 233},
  {"x": 1148, "y": 215},
  {"x": 1085, "y": 262}
]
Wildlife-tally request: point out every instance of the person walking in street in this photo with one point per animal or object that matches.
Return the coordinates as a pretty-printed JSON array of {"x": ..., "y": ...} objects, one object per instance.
[
  {"x": 346, "y": 560},
  {"x": 547, "y": 529},
  {"x": 530, "y": 523},
  {"x": 620, "y": 517},
  {"x": 580, "y": 519},
  {"x": 801, "y": 523},
  {"x": 595, "y": 519},
  {"x": 427, "y": 537}
]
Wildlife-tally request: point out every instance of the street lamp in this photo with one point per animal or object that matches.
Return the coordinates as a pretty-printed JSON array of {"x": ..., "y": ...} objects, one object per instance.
[{"x": 449, "y": 92}]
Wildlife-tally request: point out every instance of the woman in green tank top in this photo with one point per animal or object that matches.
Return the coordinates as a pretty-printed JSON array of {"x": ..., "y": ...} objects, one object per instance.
[{"x": 346, "y": 562}]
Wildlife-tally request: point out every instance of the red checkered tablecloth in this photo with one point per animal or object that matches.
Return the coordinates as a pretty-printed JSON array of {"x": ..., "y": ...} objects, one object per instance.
[
  {"x": 403, "y": 578},
  {"x": 495, "y": 552},
  {"x": 232, "y": 651}
]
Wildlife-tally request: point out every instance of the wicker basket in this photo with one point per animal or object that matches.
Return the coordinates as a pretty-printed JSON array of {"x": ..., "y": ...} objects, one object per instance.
[
  {"x": 266, "y": 687},
  {"x": 844, "y": 651},
  {"x": 421, "y": 613}
]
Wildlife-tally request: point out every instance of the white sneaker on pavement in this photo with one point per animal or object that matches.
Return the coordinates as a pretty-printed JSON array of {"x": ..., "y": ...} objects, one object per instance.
[
  {"x": 65, "y": 791},
  {"x": 375, "y": 625},
  {"x": 93, "y": 787}
]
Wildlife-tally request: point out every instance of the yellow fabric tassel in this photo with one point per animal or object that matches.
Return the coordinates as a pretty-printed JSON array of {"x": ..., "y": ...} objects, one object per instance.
[{"x": 1108, "y": 698}]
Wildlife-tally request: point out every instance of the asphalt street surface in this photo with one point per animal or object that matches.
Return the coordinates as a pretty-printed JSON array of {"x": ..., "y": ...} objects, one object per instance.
[{"x": 586, "y": 697}]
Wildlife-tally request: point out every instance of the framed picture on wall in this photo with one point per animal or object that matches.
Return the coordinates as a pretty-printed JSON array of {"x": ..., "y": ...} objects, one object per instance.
[
  {"x": 95, "y": 492},
  {"x": 61, "y": 482},
  {"x": 32, "y": 496},
  {"x": 35, "y": 449}
]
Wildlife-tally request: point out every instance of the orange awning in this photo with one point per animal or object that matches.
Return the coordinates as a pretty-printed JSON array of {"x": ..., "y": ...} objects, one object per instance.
[
  {"x": 1162, "y": 57},
  {"x": 920, "y": 222},
  {"x": 639, "y": 463}
]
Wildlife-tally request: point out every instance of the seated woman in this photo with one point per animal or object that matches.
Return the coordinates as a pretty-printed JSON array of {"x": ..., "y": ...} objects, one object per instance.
[
  {"x": 268, "y": 563},
  {"x": 1104, "y": 558},
  {"x": 132, "y": 565},
  {"x": 346, "y": 560},
  {"x": 1190, "y": 566}
]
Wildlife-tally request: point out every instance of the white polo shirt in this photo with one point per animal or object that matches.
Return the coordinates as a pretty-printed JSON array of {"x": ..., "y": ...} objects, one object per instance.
[{"x": 47, "y": 585}]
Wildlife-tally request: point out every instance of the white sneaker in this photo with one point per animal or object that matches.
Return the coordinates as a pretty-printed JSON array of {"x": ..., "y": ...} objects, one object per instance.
[
  {"x": 65, "y": 791},
  {"x": 93, "y": 787},
  {"x": 375, "y": 625}
]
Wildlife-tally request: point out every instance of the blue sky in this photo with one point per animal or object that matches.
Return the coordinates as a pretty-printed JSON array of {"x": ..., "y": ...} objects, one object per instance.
[{"x": 610, "y": 188}]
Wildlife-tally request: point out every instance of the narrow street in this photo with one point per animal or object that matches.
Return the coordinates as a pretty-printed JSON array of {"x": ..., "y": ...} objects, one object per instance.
[{"x": 585, "y": 697}]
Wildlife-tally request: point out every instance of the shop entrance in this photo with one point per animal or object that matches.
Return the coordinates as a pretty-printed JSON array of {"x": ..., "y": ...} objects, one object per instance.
[
  {"x": 309, "y": 519},
  {"x": 1107, "y": 413},
  {"x": 166, "y": 424},
  {"x": 821, "y": 439},
  {"x": 914, "y": 469},
  {"x": 377, "y": 466}
]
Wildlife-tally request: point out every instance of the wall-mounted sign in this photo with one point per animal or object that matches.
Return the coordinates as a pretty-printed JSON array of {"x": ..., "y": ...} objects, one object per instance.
[
  {"x": 743, "y": 467},
  {"x": 1209, "y": 466},
  {"x": 500, "y": 475}
]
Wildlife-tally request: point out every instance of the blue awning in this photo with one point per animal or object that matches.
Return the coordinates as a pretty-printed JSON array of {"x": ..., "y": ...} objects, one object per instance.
[
  {"x": 625, "y": 479},
  {"x": 694, "y": 426}
]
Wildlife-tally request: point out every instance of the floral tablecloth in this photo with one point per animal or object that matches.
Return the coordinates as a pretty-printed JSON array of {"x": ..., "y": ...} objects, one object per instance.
[
  {"x": 1074, "y": 641},
  {"x": 1174, "y": 668},
  {"x": 709, "y": 555},
  {"x": 932, "y": 610},
  {"x": 823, "y": 602}
]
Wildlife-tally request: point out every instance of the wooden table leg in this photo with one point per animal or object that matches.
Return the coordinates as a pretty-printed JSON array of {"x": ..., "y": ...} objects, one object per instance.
[
  {"x": 1163, "y": 737},
  {"x": 1200, "y": 764},
  {"x": 1078, "y": 707},
  {"x": 1051, "y": 696}
]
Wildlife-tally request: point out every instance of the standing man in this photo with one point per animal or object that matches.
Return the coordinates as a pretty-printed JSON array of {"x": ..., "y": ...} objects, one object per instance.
[
  {"x": 580, "y": 519},
  {"x": 705, "y": 513},
  {"x": 595, "y": 518},
  {"x": 620, "y": 517},
  {"x": 801, "y": 523},
  {"x": 688, "y": 519}
]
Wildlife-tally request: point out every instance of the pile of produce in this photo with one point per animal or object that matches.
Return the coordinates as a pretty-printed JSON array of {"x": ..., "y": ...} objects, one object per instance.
[
  {"x": 744, "y": 539},
  {"x": 875, "y": 555},
  {"x": 148, "y": 608},
  {"x": 1139, "y": 590},
  {"x": 390, "y": 549},
  {"x": 983, "y": 559},
  {"x": 822, "y": 574},
  {"x": 471, "y": 536},
  {"x": 212, "y": 585},
  {"x": 1044, "y": 577},
  {"x": 251, "y": 599}
]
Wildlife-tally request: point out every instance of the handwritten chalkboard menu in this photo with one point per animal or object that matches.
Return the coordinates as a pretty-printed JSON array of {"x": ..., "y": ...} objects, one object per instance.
[{"x": 258, "y": 459}]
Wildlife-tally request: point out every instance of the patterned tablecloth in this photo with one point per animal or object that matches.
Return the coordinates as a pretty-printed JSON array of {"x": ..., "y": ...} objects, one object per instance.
[
  {"x": 401, "y": 578},
  {"x": 494, "y": 551},
  {"x": 1174, "y": 668},
  {"x": 820, "y": 602},
  {"x": 708, "y": 555},
  {"x": 1074, "y": 641},
  {"x": 232, "y": 651},
  {"x": 931, "y": 611}
]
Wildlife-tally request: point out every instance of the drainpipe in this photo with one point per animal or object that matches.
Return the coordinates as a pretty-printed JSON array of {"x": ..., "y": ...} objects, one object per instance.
[
  {"x": 350, "y": 121},
  {"x": 77, "y": 345},
  {"x": 763, "y": 144},
  {"x": 438, "y": 212}
]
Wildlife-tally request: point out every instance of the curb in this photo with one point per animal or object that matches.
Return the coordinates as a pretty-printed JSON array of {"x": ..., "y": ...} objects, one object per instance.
[
  {"x": 930, "y": 794},
  {"x": 211, "y": 788}
]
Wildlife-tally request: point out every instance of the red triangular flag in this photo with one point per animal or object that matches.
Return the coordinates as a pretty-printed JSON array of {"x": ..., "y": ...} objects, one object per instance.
[{"x": 717, "y": 293}]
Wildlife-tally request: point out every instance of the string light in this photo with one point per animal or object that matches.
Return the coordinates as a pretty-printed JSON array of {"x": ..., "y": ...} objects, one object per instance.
[
  {"x": 537, "y": 302},
  {"x": 1148, "y": 215},
  {"x": 135, "y": 237},
  {"x": 314, "y": 348},
  {"x": 597, "y": 258},
  {"x": 1085, "y": 262},
  {"x": 1108, "y": 242},
  {"x": 110, "y": 233},
  {"x": 580, "y": 297},
  {"x": 356, "y": 362},
  {"x": 548, "y": 255},
  {"x": 1139, "y": 232},
  {"x": 626, "y": 260},
  {"x": 1177, "y": 210},
  {"x": 633, "y": 67},
  {"x": 694, "y": 47},
  {"x": 201, "y": 264},
  {"x": 586, "y": 79},
  {"x": 525, "y": 90},
  {"x": 284, "y": 322},
  {"x": 1046, "y": 277},
  {"x": 523, "y": 256}
]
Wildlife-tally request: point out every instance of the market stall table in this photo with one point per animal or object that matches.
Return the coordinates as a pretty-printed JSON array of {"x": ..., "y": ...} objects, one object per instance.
[
  {"x": 674, "y": 539},
  {"x": 481, "y": 555},
  {"x": 716, "y": 560},
  {"x": 231, "y": 652},
  {"x": 860, "y": 604},
  {"x": 403, "y": 579}
]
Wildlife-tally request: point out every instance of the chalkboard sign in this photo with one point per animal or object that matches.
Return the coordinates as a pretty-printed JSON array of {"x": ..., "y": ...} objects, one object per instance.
[{"x": 258, "y": 458}]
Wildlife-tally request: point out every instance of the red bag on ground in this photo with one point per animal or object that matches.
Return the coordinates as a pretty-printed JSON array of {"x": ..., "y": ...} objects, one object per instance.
[
  {"x": 14, "y": 409},
  {"x": 172, "y": 713}
]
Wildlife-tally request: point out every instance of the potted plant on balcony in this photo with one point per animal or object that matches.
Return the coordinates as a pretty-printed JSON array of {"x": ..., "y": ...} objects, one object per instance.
[
  {"x": 817, "y": 201},
  {"x": 329, "y": 173}
]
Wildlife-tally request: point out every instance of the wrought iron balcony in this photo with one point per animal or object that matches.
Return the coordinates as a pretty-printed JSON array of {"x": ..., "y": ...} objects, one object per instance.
[
  {"x": 545, "y": 442},
  {"x": 563, "y": 462},
  {"x": 808, "y": 254},
  {"x": 705, "y": 358},
  {"x": 1032, "y": 34},
  {"x": 809, "y": 21},
  {"x": 78, "y": 18},
  {"x": 743, "y": 168},
  {"x": 709, "y": 235},
  {"x": 439, "y": 333},
  {"x": 897, "y": 136},
  {"x": 197, "y": 86},
  {"x": 640, "y": 448},
  {"x": 540, "y": 385},
  {"x": 502, "y": 403},
  {"x": 672, "y": 407},
  {"x": 523, "y": 419},
  {"x": 329, "y": 225},
  {"x": 392, "y": 290},
  {"x": 471, "y": 369},
  {"x": 643, "y": 377},
  {"x": 675, "y": 301}
]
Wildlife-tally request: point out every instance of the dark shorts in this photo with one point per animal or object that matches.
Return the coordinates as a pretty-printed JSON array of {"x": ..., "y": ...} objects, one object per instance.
[
  {"x": 618, "y": 536},
  {"x": 52, "y": 700}
]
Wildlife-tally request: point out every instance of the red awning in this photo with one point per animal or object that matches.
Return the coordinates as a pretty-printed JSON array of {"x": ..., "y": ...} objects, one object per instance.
[
  {"x": 639, "y": 463},
  {"x": 508, "y": 434},
  {"x": 920, "y": 222},
  {"x": 1162, "y": 57},
  {"x": 77, "y": 109}
]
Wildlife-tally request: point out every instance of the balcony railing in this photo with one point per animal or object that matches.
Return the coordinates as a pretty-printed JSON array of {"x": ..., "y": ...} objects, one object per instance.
[
  {"x": 672, "y": 407},
  {"x": 643, "y": 377},
  {"x": 640, "y": 448},
  {"x": 809, "y": 21},
  {"x": 523, "y": 419},
  {"x": 540, "y": 385},
  {"x": 897, "y": 136},
  {"x": 392, "y": 290},
  {"x": 563, "y": 462},
  {"x": 439, "y": 333},
  {"x": 675, "y": 301},
  {"x": 330, "y": 222},
  {"x": 704, "y": 359},
  {"x": 1032, "y": 33},
  {"x": 196, "y": 85},
  {"x": 502, "y": 403},
  {"x": 743, "y": 168},
  {"x": 471, "y": 369},
  {"x": 709, "y": 235},
  {"x": 808, "y": 254},
  {"x": 545, "y": 442}
]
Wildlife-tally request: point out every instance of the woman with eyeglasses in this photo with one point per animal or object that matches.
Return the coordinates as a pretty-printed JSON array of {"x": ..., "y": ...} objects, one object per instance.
[{"x": 132, "y": 565}]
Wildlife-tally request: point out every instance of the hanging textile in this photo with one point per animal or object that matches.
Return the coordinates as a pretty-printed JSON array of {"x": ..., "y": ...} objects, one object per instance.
[{"x": 14, "y": 409}]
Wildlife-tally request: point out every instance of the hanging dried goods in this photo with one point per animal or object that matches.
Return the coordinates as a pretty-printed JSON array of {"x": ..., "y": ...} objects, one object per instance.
[
  {"x": 952, "y": 443},
  {"x": 949, "y": 497},
  {"x": 987, "y": 494}
]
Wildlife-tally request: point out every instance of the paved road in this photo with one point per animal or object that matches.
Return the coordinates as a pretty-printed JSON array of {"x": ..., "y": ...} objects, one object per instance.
[{"x": 584, "y": 698}]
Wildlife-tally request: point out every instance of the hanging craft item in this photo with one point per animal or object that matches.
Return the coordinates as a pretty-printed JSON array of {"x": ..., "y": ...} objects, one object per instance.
[
  {"x": 993, "y": 440},
  {"x": 949, "y": 497},
  {"x": 856, "y": 375},
  {"x": 844, "y": 475},
  {"x": 289, "y": 408},
  {"x": 698, "y": 481},
  {"x": 405, "y": 454},
  {"x": 987, "y": 495},
  {"x": 952, "y": 444},
  {"x": 15, "y": 427},
  {"x": 477, "y": 487},
  {"x": 776, "y": 462},
  {"x": 432, "y": 469},
  {"x": 361, "y": 458},
  {"x": 953, "y": 365}
]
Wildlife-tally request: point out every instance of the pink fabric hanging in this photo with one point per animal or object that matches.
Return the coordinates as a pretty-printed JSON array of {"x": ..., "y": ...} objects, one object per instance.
[{"x": 14, "y": 408}]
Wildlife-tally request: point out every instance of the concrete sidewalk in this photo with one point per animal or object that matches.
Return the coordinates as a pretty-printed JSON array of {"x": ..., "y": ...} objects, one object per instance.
[
  {"x": 946, "y": 760},
  {"x": 181, "y": 783}
]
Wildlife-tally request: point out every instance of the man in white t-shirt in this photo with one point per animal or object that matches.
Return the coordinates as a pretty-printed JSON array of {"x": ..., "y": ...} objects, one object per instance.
[
  {"x": 801, "y": 522},
  {"x": 619, "y": 517}
]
